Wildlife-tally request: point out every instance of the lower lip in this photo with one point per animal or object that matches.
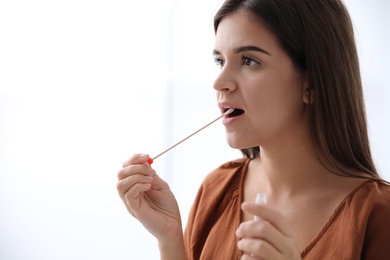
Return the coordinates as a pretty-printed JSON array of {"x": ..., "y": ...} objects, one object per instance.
[{"x": 229, "y": 120}]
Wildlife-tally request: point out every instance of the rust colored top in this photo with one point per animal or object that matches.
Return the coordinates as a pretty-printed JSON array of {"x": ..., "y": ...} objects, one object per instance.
[{"x": 359, "y": 227}]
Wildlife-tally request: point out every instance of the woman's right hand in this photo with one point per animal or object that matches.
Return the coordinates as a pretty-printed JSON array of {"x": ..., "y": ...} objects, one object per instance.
[{"x": 149, "y": 199}]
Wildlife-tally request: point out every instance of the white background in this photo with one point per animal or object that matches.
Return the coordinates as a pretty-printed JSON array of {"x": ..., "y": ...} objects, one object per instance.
[{"x": 84, "y": 84}]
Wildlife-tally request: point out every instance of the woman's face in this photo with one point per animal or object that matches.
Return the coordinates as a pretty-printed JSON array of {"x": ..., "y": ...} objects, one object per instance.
[{"x": 258, "y": 78}]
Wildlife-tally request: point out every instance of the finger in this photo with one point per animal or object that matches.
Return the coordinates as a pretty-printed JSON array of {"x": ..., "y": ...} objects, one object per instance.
[
  {"x": 131, "y": 191},
  {"x": 124, "y": 186},
  {"x": 134, "y": 198},
  {"x": 268, "y": 214},
  {"x": 258, "y": 249},
  {"x": 134, "y": 195},
  {"x": 250, "y": 257},
  {"x": 288, "y": 244},
  {"x": 137, "y": 158},
  {"x": 159, "y": 184},
  {"x": 263, "y": 230},
  {"x": 143, "y": 169},
  {"x": 246, "y": 256},
  {"x": 141, "y": 195}
]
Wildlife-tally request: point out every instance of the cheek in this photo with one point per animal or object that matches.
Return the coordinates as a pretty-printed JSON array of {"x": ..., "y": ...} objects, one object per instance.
[
  {"x": 281, "y": 88},
  {"x": 275, "y": 101}
]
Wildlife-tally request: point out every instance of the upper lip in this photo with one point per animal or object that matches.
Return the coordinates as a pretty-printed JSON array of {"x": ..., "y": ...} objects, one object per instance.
[{"x": 224, "y": 106}]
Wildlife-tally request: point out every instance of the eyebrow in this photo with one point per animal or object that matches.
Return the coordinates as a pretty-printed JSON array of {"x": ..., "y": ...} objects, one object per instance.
[{"x": 245, "y": 48}]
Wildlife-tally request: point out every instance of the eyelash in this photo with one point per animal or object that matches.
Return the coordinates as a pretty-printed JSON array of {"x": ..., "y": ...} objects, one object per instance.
[
  {"x": 219, "y": 62},
  {"x": 244, "y": 60}
]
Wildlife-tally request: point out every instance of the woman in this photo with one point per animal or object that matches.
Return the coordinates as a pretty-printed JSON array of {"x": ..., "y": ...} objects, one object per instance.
[{"x": 290, "y": 69}]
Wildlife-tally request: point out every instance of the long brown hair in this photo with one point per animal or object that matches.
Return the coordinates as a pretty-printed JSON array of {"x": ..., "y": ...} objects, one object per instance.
[{"x": 318, "y": 37}]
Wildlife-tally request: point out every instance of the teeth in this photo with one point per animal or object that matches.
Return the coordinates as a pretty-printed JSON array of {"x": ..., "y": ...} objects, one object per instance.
[{"x": 229, "y": 111}]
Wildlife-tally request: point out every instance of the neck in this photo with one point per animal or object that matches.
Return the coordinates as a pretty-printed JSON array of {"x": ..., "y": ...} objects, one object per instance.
[{"x": 290, "y": 168}]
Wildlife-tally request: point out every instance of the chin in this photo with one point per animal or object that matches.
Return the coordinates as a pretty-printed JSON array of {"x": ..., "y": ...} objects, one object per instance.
[{"x": 235, "y": 144}]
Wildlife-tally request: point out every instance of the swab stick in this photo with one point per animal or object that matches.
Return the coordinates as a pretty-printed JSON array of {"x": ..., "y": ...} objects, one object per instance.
[{"x": 151, "y": 160}]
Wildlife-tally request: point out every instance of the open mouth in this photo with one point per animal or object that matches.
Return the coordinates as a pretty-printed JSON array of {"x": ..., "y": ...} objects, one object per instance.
[{"x": 235, "y": 112}]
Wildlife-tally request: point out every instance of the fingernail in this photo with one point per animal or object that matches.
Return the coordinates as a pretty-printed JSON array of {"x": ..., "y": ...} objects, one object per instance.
[
  {"x": 143, "y": 156},
  {"x": 246, "y": 206}
]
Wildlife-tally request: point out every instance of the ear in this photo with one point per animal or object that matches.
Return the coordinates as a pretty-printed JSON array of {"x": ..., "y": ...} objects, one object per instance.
[
  {"x": 308, "y": 96},
  {"x": 308, "y": 92}
]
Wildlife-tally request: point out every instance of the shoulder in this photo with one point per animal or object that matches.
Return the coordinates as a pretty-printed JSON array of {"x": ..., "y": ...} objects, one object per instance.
[
  {"x": 216, "y": 204},
  {"x": 359, "y": 227},
  {"x": 372, "y": 194},
  {"x": 223, "y": 180},
  {"x": 370, "y": 204},
  {"x": 227, "y": 171},
  {"x": 372, "y": 208},
  {"x": 222, "y": 184}
]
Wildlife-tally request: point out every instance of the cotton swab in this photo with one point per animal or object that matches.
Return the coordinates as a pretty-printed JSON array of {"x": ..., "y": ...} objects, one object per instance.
[{"x": 229, "y": 111}]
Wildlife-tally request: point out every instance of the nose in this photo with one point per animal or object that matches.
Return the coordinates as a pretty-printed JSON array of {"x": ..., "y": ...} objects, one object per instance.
[{"x": 225, "y": 81}]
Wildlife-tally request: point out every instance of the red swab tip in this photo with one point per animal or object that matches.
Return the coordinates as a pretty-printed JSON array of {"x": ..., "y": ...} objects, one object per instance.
[{"x": 150, "y": 160}]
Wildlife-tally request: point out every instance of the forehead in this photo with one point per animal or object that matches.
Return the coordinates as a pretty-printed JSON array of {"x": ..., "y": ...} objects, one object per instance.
[{"x": 243, "y": 28}]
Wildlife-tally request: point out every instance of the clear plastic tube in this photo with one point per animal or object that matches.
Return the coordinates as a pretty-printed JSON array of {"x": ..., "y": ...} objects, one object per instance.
[{"x": 261, "y": 198}]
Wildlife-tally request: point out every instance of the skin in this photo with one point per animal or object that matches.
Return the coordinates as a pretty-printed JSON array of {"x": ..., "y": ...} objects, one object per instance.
[
  {"x": 302, "y": 194},
  {"x": 274, "y": 95},
  {"x": 266, "y": 85},
  {"x": 149, "y": 199}
]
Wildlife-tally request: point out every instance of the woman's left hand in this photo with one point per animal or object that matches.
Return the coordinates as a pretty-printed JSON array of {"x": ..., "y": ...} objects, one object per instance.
[{"x": 267, "y": 238}]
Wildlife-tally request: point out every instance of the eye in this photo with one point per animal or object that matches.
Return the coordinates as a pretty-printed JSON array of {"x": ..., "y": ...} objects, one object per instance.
[
  {"x": 249, "y": 61},
  {"x": 219, "y": 62}
]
